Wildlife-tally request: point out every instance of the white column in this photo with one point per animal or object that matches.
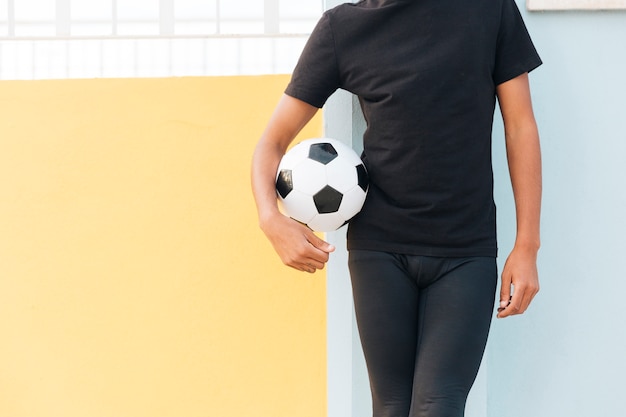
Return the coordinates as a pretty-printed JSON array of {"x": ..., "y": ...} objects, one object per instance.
[
  {"x": 11, "y": 18},
  {"x": 114, "y": 17},
  {"x": 339, "y": 307},
  {"x": 63, "y": 18},
  {"x": 166, "y": 17},
  {"x": 271, "y": 17},
  {"x": 218, "y": 17},
  {"x": 348, "y": 383}
]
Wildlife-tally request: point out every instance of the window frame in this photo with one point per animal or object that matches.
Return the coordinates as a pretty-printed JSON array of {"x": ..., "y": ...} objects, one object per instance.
[{"x": 544, "y": 5}]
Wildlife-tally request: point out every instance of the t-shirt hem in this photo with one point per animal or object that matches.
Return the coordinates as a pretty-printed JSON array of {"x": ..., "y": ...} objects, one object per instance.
[{"x": 487, "y": 251}]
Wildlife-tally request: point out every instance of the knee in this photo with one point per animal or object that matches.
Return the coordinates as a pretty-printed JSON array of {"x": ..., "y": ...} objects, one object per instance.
[
  {"x": 437, "y": 404},
  {"x": 396, "y": 405}
]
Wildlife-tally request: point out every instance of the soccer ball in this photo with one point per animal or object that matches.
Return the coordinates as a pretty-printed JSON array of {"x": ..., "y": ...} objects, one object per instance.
[{"x": 321, "y": 183}]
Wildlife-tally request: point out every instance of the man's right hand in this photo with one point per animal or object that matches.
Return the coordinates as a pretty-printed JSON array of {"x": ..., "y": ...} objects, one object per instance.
[{"x": 296, "y": 245}]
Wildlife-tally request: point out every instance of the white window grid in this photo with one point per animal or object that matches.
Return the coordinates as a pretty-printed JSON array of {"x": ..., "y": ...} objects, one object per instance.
[{"x": 42, "y": 39}]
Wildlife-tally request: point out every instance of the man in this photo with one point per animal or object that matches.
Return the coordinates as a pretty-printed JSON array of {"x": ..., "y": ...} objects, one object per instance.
[{"x": 422, "y": 250}]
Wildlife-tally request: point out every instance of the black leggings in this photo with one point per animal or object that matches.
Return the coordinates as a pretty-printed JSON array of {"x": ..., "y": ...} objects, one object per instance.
[{"x": 423, "y": 323}]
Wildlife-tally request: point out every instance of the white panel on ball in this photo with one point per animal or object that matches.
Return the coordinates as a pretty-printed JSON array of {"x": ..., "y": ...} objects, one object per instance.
[
  {"x": 327, "y": 222},
  {"x": 309, "y": 176},
  {"x": 298, "y": 206},
  {"x": 321, "y": 182},
  {"x": 352, "y": 202},
  {"x": 342, "y": 174}
]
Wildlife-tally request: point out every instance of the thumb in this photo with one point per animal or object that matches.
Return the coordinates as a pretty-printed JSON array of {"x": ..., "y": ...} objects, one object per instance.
[
  {"x": 505, "y": 291},
  {"x": 320, "y": 243},
  {"x": 504, "y": 299}
]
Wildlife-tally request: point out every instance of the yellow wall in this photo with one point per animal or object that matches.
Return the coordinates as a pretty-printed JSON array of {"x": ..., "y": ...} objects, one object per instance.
[{"x": 133, "y": 278}]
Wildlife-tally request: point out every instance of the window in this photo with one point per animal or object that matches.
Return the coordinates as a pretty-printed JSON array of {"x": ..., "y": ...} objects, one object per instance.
[
  {"x": 91, "y": 18},
  {"x": 575, "y": 4},
  {"x": 196, "y": 18},
  {"x": 152, "y": 38},
  {"x": 34, "y": 18}
]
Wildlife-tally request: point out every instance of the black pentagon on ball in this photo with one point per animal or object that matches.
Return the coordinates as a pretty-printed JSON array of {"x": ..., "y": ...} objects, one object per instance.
[
  {"x": 327, "y": 200},
  {"x": 362, "y": 176},
  {"x": 322, "y": 152},
  {"x": 284, "y": 182}
]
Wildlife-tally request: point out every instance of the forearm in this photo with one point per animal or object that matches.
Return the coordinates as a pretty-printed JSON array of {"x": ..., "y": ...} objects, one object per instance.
[
  {"x": 524, "y": 158},
  {"x": 265, "y": 162},
  {"x": 290, "y": 116}
]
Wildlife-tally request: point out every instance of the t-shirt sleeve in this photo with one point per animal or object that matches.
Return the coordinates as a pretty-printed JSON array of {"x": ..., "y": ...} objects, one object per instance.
[
  {"x": 316, "y": 75},
  {"x": 515, "y": 51}
]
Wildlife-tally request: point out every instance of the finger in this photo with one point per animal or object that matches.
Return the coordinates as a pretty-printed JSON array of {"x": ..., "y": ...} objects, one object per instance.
[
  {"x": 504, "y": 304},
  {"x": 529, "y": 295},
  {"x": 505, "y": 291},
  {"x": 308, "y": 268},
  {"x": 306, "y": 261},
  {"x": 518, "y": 304},
  {"x": 320, "y": 243},
  {"x": 505, "y": 296},
  {"x": 315, "y": 264},
  {"x": 507, "y": 311}
]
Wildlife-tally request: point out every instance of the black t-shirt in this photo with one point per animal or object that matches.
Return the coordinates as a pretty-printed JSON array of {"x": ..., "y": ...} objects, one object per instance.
[{"x": 425, "y": 72}]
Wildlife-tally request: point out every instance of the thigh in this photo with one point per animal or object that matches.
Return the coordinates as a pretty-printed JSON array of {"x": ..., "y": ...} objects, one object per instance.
[
  {"x": 454, "y": 314},
  {"x": 385, "y": 300}
]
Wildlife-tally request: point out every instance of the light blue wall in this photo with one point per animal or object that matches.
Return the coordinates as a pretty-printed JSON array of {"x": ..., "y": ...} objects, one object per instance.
[{"x": 567, "y": 355}]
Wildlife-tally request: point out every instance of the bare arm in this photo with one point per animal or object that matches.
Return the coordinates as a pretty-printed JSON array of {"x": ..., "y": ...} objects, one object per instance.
[
  {"x": 524, "y": 158},
  {"x": 297, "y": 246}
]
